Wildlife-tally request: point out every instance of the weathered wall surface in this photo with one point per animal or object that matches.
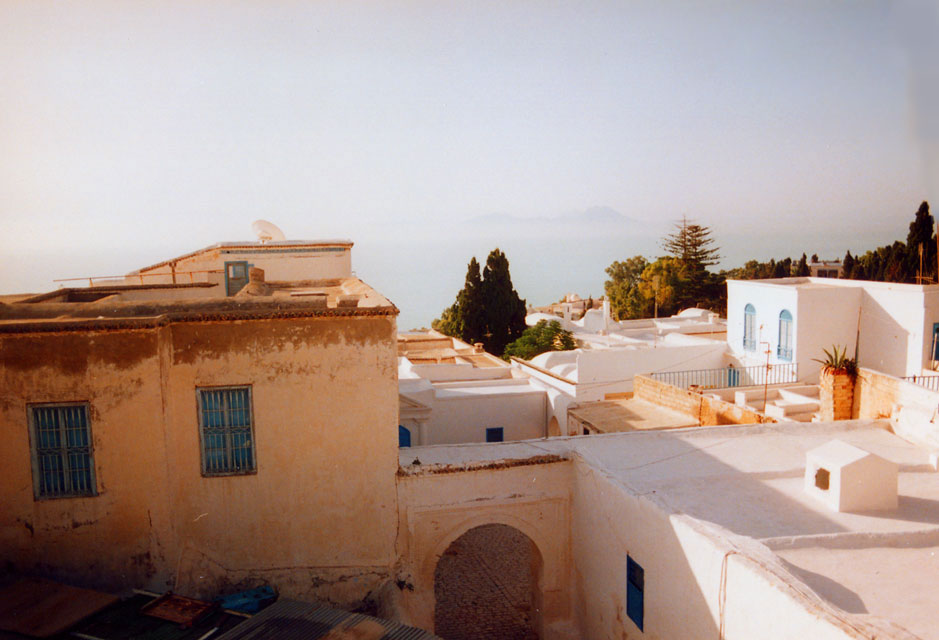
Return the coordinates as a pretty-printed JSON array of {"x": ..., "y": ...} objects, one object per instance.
[
  {"x": 298, "y": 263},
  {"x": 436, "y": 508},
  {"x": 317, "y": 518},
  {"x": 706, "y": 410},
  {"x": 125, "y": 530}
]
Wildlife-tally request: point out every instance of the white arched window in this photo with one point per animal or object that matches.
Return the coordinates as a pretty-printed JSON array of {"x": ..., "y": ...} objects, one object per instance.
[
  {"x": 749, "y": 328},
  {"x": 784, "y": 347}
]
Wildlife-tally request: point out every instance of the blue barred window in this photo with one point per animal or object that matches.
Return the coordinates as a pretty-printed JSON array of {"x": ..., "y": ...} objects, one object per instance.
[
  {"x": 225, "y": 430},
  {"x": 63, "y": 465}
]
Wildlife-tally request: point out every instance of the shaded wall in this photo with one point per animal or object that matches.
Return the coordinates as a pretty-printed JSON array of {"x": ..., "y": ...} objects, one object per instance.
[{"x": 317, "y": 518}]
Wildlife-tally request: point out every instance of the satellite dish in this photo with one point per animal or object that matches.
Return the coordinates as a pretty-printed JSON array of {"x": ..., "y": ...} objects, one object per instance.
[{"x": 267, "y": 231}]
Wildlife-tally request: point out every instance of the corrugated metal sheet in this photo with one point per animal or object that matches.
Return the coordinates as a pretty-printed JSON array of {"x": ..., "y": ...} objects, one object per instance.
[{"x": 292, "y": 620}]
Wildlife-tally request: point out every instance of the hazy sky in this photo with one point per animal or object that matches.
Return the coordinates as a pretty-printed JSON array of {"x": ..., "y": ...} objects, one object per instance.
[{"x": 133, "y": 131}]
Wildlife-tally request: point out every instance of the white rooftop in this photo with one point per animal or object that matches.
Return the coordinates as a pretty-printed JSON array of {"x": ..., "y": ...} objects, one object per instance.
[{"x": 749, "y": 480}]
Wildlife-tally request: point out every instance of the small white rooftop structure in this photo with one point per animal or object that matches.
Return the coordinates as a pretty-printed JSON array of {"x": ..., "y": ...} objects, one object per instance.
[{"x": 848, "y": 478}]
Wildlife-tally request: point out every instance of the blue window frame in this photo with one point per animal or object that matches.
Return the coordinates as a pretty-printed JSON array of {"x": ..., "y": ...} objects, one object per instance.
[
  {"x": 935, "y": 341},
  {"x": 784, "y": 346},
  {"x": 226, "y": 431},
  {"x": 494, "y": 434},
  {"x": 236, "y": 276},
  {"x": 635, "y": 591},
  {"x": 404, "y": 436},
  {"x": 749, "y": 328},
  {"x": 63, "y": 461}
]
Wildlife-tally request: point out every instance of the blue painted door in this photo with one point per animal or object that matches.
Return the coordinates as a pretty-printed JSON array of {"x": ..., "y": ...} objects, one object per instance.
[{"x": 404, "y": 436}]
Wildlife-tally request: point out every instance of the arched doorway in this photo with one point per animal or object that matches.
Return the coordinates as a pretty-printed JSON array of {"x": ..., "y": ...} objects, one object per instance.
[{"x": 486, "y": 585}]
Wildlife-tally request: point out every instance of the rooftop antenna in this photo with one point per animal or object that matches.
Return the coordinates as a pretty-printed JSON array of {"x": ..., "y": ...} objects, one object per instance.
[{"x": 267, "y": 231}]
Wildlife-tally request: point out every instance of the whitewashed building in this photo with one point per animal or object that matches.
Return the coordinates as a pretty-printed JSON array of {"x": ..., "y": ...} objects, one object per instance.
[{"x": 893, "y": 327}]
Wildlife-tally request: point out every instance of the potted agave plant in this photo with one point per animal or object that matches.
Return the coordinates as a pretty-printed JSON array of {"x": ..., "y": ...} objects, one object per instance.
[{"x": 836, "y": 385}]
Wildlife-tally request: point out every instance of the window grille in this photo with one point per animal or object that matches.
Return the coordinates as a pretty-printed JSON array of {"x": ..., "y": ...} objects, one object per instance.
[
  {"x": 63, "y": 465},
  {"x": 226, "y": 431}
]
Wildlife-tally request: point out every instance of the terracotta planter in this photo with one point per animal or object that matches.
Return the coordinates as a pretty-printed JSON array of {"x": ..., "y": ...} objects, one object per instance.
[{"x": 836, "y": 394}]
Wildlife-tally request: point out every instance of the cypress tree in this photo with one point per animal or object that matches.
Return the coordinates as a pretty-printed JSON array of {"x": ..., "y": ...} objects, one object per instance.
[
  {"x": 921, "y": 233},
  {"x": 802, "y": 268},
  {"x": 504, "y": 310},
  {"x": 847, "y": 266},
  {"x": 470, "y": 302}
]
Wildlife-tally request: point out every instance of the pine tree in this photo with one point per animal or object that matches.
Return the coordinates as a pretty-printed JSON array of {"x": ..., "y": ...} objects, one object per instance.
[{"x": 692, "y": 244}]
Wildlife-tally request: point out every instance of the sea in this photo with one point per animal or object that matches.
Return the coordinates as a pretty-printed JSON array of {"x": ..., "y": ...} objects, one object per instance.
[{"x": 421, "y": 272}]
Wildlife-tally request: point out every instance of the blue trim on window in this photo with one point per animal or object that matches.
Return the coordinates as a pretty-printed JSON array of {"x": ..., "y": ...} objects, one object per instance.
[
  {"x": 226, "y": 430},
  {"x": 63, "y": 462},
  {"x": 495, "y": 434},
  {"x": 635, "y": 591},
  {"x": 404, "y": 436},
  {"x": 749, "y": 328},
  {"x": 784, "y": 344}
]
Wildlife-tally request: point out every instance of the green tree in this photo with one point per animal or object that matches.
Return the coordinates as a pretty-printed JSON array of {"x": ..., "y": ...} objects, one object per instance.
[
  {"x": 921, "y": 234},
  {"x": 847, "y": 265},
  {"x": 449, "y": 322},
  {"x": 660, "y": 283},
  {"x": 472, "y": 306},
  {"x": 544, "y": 336},
  {"x": 487, "y": 309},
  {"x": 802, "y": 267},
  {"x": 504, "y": 310},
  {"x": 624, "y": 276},
  {"x": 693, "y": 246}
]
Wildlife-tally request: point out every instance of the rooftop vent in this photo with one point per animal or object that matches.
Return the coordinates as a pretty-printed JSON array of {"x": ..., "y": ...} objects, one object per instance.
[{"x": 847, "y": 478}]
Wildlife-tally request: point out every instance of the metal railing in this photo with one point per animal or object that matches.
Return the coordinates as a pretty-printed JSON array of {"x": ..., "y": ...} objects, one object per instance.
[
  {"x": 117, "y": 280},
  {"x": 731, "y": 376},
  {"x": 930, "y": 382}
]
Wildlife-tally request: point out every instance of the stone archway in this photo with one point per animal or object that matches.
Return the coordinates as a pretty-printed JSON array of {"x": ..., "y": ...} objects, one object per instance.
[{"x": 487, "y": 585}]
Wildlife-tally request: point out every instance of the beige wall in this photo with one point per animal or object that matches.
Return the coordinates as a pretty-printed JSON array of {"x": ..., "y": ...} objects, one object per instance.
[
  {"x": 305, "y": 264},
  {"x": 437, "y": 508},
  {"x": 706, "y": 410},
  {"x": 317, "y": 519}
]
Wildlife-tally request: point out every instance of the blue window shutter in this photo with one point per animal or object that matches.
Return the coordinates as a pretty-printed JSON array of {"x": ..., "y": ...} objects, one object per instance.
[
  {"x": 226, "y": 430},
  {"x": 635, "y": 591},
  {"x": 495, "y": 434},
  {"x": 404, "y": 436}
]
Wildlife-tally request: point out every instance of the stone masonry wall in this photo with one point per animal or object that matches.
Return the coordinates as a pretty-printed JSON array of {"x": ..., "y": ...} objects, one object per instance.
[
  {"x": 706, "y": 410},
  {"x": 836, "y": 393}
]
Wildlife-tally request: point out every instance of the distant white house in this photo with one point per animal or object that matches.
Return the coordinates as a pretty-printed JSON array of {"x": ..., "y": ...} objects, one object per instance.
[
  {"x": 610, "y": 353},
  {"x": 451, "y": 392},
  {"x": 895, "y": 327}
]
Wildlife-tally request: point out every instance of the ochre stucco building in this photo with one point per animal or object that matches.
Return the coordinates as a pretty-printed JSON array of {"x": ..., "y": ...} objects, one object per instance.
[{"x": 197, "y": 436}]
